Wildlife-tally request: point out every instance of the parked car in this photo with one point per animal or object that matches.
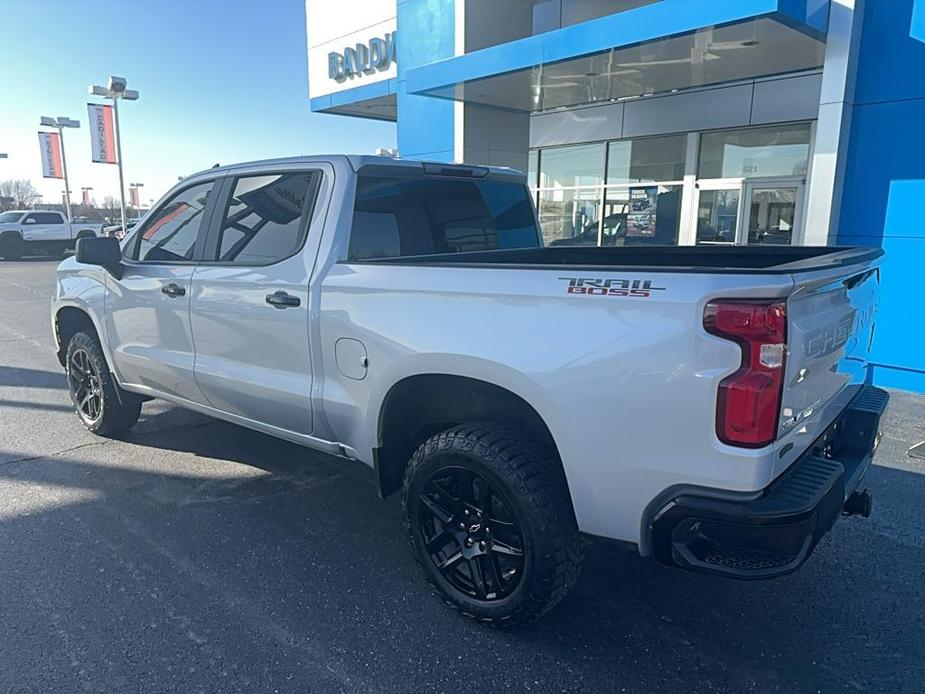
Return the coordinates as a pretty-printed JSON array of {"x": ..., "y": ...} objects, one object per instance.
[
  {"x": 116, "y": 230},
  {"x": 704, "y": 406},
  {"x": 23, "y": 232}
]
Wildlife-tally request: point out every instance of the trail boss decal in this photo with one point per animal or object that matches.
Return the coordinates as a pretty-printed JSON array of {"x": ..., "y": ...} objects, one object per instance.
[{"x": 612, "y": 287}]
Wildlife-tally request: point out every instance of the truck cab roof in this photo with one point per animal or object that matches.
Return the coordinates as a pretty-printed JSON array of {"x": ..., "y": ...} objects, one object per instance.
[{"x": 356, "y": 162}]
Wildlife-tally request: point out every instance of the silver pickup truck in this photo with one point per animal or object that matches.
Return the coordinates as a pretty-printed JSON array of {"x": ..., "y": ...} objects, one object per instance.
[{"x": 705, "y": 406}]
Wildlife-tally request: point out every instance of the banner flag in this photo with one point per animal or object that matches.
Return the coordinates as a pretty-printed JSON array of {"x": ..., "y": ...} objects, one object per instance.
[
  {"x": 102, "y": 134},
  {"x": 50, "y": 146}
]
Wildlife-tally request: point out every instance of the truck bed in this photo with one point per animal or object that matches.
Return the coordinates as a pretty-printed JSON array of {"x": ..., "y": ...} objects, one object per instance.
[{"x": 695, "y": 259}]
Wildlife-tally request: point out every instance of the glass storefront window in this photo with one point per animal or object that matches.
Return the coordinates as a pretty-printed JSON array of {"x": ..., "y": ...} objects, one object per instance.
[
  {"x": 776, "y": 151},
  {"x": 642, "y": 215},
  {"x": 624, "y": 192},
  {"x": 632, "y": 216},
  {"x": 573, "y": 166},
  {"x": 649, "y": 159},
  {"x": 717, "y": 216},
  {"x": 569, "y": 217}
]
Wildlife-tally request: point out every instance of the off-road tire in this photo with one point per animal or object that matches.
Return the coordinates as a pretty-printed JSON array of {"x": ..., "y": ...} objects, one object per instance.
[
  {"x": 67, "y": 248},
  {"x": 12, "y": 246},
  {"x": 119, "y": 410},
  {"x": 529, "y": 477}
]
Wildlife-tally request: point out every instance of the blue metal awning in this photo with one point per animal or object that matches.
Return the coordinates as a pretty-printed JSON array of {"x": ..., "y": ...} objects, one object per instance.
[{"x": 660, "y": 47}]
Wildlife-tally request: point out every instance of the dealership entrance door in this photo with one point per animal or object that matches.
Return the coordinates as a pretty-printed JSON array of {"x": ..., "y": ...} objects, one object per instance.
[
  {"x": 751, "y": 212},
  {"x": 772, "y": 211}
]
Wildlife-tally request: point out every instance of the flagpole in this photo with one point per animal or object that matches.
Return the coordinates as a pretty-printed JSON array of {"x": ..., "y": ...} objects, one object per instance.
[
  {"x": 116, "y": 90},
  {"x": 67, "y": 186},
  {"x": 115, "y": 114},
  {"x": 59, "y": 124}
]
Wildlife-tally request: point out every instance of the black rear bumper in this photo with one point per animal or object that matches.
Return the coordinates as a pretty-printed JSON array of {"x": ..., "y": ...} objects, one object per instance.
[{"x": 773, "y": 532}]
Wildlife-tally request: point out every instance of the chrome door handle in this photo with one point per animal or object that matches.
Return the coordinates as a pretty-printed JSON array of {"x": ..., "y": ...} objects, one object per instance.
[
  {"x": 281, "y": 299},
  {"x": 173, "y": 290}
]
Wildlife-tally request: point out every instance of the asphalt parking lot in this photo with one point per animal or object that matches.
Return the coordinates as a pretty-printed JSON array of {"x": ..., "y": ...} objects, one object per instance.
[{"x": 195, "y": 555}]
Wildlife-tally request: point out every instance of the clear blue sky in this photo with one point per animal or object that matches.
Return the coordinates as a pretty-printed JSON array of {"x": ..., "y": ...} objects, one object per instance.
[{"x": 220, "y": 81}]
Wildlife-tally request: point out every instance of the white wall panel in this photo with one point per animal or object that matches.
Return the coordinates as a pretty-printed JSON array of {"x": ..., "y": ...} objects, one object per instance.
[
  {"x": 332, "y": 26},
  {"x": 333, "y": 19}
]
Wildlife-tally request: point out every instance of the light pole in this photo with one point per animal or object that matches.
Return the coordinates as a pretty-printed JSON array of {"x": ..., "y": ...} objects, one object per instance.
[
  {"x": 60, "y": 123},
  {"x": 3, "y": 155},
  {"x": 115, "y": 90},
  {"x": 85, "y": 195}
]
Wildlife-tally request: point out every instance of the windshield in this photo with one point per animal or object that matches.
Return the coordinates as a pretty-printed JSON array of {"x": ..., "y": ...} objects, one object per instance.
[{"x": 10, "y": 217}]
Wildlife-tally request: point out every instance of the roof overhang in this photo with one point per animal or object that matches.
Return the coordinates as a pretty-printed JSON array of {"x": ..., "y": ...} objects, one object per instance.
[
  {"x": 377, "y": 101},
  {"x": 662, "y": 47}
]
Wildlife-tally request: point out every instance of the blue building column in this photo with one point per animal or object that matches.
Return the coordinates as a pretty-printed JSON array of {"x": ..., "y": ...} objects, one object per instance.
[
  {"x": 884, "y": 190},
  {"x": 426, "y": 34}
]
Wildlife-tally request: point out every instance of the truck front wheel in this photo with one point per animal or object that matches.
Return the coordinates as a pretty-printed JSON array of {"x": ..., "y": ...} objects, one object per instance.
[
  {"x": 102, "y": 407},
  {"x": 491, "y": 523},
  {"x": 12, "y": 247}
]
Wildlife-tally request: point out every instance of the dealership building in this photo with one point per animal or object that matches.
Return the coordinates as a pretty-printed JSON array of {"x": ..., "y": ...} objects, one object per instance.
[{"x": 749, "y": 122}]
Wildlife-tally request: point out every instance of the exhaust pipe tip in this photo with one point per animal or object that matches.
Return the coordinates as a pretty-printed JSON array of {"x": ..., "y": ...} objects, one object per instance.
[{"x": 859, "y": 504}]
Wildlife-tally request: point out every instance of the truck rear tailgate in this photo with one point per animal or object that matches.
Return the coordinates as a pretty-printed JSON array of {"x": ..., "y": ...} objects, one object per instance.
[{"x": 831, "y": 319}]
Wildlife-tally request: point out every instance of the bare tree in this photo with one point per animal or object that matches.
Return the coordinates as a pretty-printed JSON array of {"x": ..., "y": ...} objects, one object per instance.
[
  {"x": 18, "y": 194},
  {"x": 86, "y": 212},
  {"x": 111, "y": 208}
]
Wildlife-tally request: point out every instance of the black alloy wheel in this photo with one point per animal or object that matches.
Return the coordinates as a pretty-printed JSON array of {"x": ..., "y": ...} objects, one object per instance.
[
  {"x": 471, "y": 534},
  {"x": 86, "y": 386},
  {"x": 101, "y": 405},
  {"x": 490, "y": 521}
]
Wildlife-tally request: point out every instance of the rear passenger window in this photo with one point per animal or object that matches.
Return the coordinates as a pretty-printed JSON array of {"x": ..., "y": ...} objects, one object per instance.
[
  {"x": 402, "y": 216},
  {"x": 264, "y": 221},
  {"x": 43, "y": 218},
  {"x": 170, "y": 234}
]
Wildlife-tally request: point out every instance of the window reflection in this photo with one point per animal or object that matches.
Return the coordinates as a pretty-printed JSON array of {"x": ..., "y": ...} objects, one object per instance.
[
  {"x": 649, "y": 159},
  {"x": 263, "y": 222},
  {"x": 770, "y": 220},
  {"x": 717, "y": 216},
  {"x": 777, "y": 151},
  {"x": 170, "y": 234},
  {"x": 569, "y": 217},
  {"x": 569, "y": 167}
]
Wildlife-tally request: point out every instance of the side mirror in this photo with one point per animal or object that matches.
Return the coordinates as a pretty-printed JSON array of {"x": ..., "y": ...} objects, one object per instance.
[{"x": 104, "y": 251}]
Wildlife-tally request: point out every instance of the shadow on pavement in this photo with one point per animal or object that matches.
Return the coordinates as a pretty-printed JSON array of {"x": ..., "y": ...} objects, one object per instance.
[
  {"x": 21, "y": 377},
  {"x": 259, "y": 564},
  {"x": 37, "y": 258},
  {"x": 38, "y": 406}
]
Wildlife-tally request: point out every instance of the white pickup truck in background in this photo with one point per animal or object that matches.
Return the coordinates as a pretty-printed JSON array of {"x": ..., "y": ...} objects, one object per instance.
[
  {"x": 24, "y": 232},
  {"x": 705, "y": 406}
]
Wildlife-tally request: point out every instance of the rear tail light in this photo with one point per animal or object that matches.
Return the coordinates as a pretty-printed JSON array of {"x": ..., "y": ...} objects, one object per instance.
[{"x": 748, "y": 402}]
